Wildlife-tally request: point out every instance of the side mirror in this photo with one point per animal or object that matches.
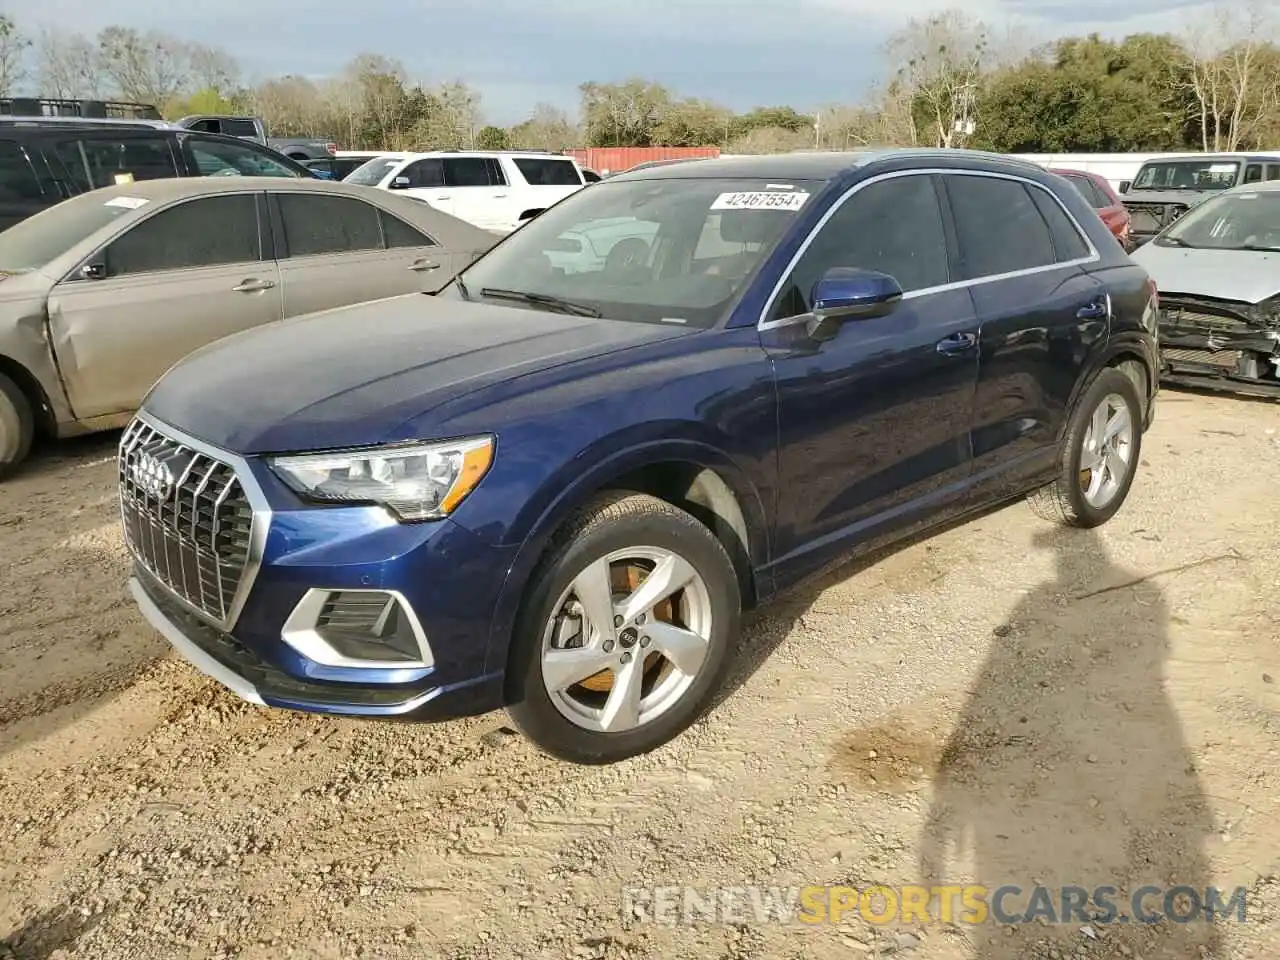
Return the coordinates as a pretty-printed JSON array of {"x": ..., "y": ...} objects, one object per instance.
[
  {"x": 847, "y": 293},
  {"x": 399, "y": 183},
  {"x": 94, "y": 271},
  {"x": 1125, "y": 185}
]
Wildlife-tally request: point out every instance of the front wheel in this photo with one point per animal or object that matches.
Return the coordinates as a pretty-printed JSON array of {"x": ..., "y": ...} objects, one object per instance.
[
  {"x": 626, "y": 632},
  {"x": 1099, "y": 455},
  {"x": 17, "y": 426}
]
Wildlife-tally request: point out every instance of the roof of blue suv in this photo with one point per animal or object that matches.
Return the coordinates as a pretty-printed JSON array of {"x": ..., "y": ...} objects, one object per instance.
[{"x": 816, "y": 165}]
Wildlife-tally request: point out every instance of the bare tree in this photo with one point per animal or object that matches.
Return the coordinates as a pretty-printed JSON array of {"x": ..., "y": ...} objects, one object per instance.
[
  {"x": 548, "y": 128},
  {"x": 66, "y": 65},
  {"x": 13, "y": 54},
  {"x": 144, "y": 67},
  {"x": 1233, "y": 74},
  {"x": 211, "y": 68},
  {"x": 939, "y": 64}
]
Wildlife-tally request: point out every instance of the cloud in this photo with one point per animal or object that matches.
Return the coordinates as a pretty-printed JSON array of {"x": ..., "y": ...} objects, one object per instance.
[{"x": 803, "y": 52}]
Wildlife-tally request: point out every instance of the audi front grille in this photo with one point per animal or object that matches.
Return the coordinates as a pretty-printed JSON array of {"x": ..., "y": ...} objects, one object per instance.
[{"x": 186, "y": 518}]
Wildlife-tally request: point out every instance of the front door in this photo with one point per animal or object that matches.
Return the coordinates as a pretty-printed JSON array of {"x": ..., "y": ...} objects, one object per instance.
[
  {"x": 340, "y": 250},
  {"x": 189, "y": 274},
  {"x": 1042, "y": 315},
  {"x": 873, "y": 423}
]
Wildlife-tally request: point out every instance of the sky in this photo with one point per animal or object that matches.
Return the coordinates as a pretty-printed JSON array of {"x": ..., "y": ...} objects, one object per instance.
[{"x": 517, "y": 53}]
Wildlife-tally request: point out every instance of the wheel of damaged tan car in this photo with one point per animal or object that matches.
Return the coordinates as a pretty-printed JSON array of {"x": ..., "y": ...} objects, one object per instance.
[
  {"x": 1099, "y": 455},
  {"x": 17, "y": 426},
  {"x": 626, "y": 631}
]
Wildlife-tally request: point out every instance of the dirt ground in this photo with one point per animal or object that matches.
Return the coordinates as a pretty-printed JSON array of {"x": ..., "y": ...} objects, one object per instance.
[{"x": 1004, "y": 702}]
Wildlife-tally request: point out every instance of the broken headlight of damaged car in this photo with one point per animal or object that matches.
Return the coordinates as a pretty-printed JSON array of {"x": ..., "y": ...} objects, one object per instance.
[{"x": 415, "y": 481}]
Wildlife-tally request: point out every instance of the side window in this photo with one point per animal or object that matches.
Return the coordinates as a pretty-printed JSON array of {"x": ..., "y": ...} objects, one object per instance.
[
  {"x": 316, "y": 224},
  {"x": 205, "y": 126},
  {"x": 199, "y": 233},
  {"x": 18, "y": 180},
  {"x": 95, "y": 162},
  {"x": 998, "y": 227},
  {"x": 1068, "y": 244},
  {"x": 467, "y": 172},
  {"x": 239, "y": 128},
  {"x": 893, "y": 226},
  {"x": 1253, "y": 173},
  {"x": 1091, "y": 192},
  {"x": 399, "y": 234},
  {"x": 548, "y": 173},
  {"x": 1273, "y": 171},
  {"x": 425, "y": 173},
  {"x": 497, "y": 177},
  {"x": 213, "y": 158}
]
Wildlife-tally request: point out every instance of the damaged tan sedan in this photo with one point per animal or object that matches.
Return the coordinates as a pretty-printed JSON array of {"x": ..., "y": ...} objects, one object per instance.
[{"x": 101, "y": 294}]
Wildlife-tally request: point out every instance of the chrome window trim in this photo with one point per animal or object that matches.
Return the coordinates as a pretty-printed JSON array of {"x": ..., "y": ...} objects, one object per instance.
[
  {"x": 262, "y": 514},
  {"x": 764, "y": 323}
]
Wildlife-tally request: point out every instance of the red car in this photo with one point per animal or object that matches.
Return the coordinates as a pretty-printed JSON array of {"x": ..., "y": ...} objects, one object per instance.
[{"x": 1102, "y": 198}]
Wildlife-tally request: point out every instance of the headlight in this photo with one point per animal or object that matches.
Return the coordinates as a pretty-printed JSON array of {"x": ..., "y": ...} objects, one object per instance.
[{"x": 419, "y": 481}]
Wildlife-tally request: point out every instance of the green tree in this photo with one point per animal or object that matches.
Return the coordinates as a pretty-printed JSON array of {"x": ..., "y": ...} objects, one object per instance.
[{"x": 493, "y": 138}]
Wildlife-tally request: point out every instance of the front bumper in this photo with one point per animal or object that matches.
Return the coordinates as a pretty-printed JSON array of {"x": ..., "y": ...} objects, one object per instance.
[
  {"x": 446, "y": 581},
  {"x": 1211, "y": 347}
]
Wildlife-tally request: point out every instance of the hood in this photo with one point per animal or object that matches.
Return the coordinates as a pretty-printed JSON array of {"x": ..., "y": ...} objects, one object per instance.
[
  {"x": 1246, "y": 275},
  {"x": 1188, "y": 197},
  {"x": 29, "y": 285},
  {"x": 359, "y": 375}
]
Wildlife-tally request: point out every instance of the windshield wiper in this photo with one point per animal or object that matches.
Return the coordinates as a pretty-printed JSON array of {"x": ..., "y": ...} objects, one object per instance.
[
  {"x": 542, "y": 300},
  {"x": 1173, "y": 242},
  {"x": 1258, "y": 247}
]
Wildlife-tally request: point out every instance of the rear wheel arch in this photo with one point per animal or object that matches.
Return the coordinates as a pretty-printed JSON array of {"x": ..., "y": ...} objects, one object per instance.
[{"x": 1133, "y": 359}]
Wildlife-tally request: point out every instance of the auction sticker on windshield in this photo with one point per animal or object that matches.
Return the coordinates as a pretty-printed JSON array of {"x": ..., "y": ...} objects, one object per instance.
[{"x": 760, "y": 200}]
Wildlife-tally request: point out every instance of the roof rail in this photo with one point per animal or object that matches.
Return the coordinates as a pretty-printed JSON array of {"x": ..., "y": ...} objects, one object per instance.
[{"x": 86, "y": 109}]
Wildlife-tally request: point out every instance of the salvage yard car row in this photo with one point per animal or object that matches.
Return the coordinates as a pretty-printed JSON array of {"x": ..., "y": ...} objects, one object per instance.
[{"x": 555, "y": 483}]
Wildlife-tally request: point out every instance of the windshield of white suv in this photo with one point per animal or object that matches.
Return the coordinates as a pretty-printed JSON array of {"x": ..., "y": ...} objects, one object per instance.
[
  {"x": 35, "y": 241},
  {"x": 1187, "y": 175},
  {"x": 370, "y": 173},
  {"x": 1234, "y": 221},
  {"x": 657, "y": 251}
]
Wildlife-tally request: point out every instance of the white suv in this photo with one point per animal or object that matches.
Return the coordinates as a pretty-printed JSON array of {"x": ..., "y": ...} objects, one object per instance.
[{"x": 495, "y": 190}]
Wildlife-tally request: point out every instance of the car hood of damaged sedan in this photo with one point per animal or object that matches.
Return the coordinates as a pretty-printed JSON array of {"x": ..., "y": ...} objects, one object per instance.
[
  {"x": 1248, "y": 276},
  {"x": 364, "y": 375}
]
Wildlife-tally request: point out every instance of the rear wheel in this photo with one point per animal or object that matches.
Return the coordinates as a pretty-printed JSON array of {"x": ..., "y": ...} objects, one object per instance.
[
  {"x": 1099, "y": 455},
  {"x": 626, "y": 632},
  {"x": 17, "y": 426}
]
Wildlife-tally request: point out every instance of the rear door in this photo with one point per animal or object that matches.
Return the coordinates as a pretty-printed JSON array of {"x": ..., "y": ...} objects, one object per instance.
[
  {"x": 103, "y": 158},
  {"x": 25, "y": 186},
  {"x": 1023, "y": 257},
  {"x": 477, "y": 191},
  {"x": 190, "y": 274},
  {"x": 337, "y": 250},
  {"x": 549, "y": 180}
]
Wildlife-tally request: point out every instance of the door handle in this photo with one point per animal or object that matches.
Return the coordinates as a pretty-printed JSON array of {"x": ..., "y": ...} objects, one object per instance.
[
  {"x": 443, "y": 196},
  {"x": 1093, "y": 311},
  {"x": 422, "y": 265},
  {"x": 253, "y": 285},
  {"x": 958, "y": 343},
  {"x": 499, "y": 196}
]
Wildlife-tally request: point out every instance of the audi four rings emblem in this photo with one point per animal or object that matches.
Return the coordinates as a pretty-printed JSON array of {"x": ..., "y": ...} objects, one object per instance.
[{"x": 151, "y": 476}]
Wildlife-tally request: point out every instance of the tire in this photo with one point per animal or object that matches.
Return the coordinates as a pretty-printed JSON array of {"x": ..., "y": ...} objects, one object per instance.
[
  {"x": 621, "y": 532},
  {"x": 17, "y": 426},
  {"x": 1066, "y": 500}
]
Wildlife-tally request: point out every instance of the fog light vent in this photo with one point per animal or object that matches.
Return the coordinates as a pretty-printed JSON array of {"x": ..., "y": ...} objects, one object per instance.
[{"x": 366, "y": 628}]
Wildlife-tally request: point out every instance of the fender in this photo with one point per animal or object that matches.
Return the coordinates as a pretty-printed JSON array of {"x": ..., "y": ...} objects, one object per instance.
[
  {"x": 1128, "y": 343},
  {"x": 599, "y": 476}
]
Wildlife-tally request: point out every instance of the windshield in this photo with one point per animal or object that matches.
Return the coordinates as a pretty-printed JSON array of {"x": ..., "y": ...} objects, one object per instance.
[
  {"x": 1187, "y": 175},
  {"x": 658, "y": 251},
  {"x": 371, "y": 172},
  {"x": 1236, "y": 221},
  {"x": 35, "y": 241}
]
